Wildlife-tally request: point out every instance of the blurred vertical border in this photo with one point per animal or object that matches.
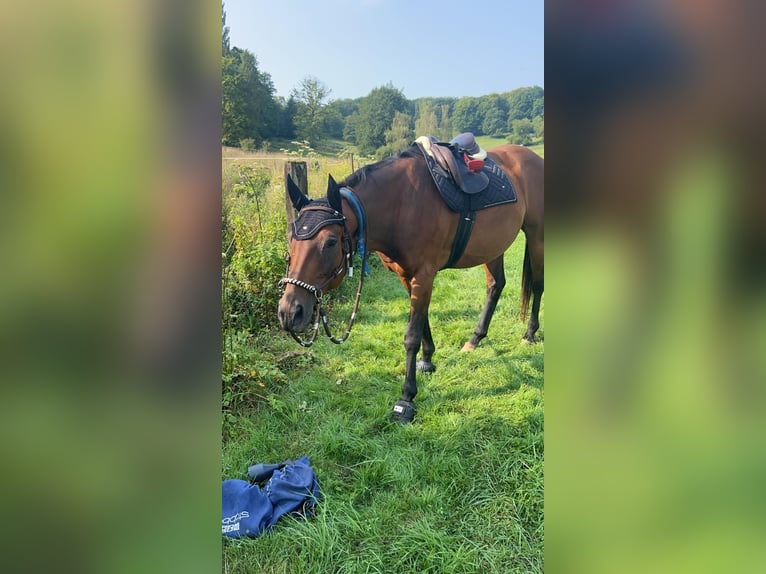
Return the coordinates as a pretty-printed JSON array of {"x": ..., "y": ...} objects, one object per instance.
[
  {"x": 655, "y": 363},
  {"x": 109, "y": 298}
]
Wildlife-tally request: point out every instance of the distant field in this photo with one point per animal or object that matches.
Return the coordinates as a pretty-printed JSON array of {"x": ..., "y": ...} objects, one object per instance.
[
  {"x": 332, "y": 148},
  {"x": 539, "y": 149},
  {"x": 488, "y": 142}
]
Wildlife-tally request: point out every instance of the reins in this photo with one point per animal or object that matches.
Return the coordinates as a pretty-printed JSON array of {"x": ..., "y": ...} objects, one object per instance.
[{"x": 346, "y": 265}]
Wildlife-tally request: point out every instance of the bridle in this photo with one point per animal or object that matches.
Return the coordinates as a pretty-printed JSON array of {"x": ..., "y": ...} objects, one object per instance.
[
  {"x": 329, "y": 216},
  {"x": 332, "y": 216}
]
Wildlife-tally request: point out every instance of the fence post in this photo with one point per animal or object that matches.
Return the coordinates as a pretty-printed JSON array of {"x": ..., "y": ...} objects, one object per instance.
[{"x": 299, "y": 172}]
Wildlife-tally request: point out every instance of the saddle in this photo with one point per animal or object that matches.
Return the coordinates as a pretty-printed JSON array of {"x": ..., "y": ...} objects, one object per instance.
[
  {"x": 462, "y": 159},
  {"x": 467, "y": 180}
]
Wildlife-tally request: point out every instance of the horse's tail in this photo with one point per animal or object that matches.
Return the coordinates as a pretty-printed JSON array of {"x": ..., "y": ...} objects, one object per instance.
[{"x": 526, "y": 284}]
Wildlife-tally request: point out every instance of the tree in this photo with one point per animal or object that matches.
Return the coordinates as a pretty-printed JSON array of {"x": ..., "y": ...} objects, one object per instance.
[
  {"x": 526, "y": 103},
  {"x": 426, "y": 124},
  {"x": 248, "y": 107},
  {"x": 375, "y": 115},
  {"x": 287, "y": 128},
  {"x": 224, "y": 32},
  {"x": 398, "y": 137},
  {"x": 334, "y": 120},
  {"x": 539, "y": 124},
  {"x": 521, "y": 132},
  {"x": 333, "y": 124},
  {"x": 311, "y": 109},
  {"x": 345, "y": 106},
  {"x": 444, "y": 131},
  {"x": 494, "y": 115},
  {"x": 465, "y": 117},
  {"x": 349, "y": 128}
]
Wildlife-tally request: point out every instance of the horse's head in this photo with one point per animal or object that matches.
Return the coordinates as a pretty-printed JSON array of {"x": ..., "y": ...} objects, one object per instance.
[{"x": 320, "y": 247}]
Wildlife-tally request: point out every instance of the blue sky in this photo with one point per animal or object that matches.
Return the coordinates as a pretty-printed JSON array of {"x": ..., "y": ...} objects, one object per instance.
[{"x": 423, "y": 47}]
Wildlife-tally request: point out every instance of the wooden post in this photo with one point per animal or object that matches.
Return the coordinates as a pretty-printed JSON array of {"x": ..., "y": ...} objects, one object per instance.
[{"x": 299, "y": 172}]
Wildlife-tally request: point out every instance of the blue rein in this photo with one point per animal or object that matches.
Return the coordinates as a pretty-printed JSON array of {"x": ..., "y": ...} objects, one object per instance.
[{"x": 349, "y": 195}]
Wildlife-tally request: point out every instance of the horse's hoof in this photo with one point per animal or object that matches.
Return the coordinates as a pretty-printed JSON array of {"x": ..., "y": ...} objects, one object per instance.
[
  {"x": 404, "y": 411},
  {"x": 468, "y": 347},
  {"x": 529, "y": 339},
  {"x": 426, "y": 367}
]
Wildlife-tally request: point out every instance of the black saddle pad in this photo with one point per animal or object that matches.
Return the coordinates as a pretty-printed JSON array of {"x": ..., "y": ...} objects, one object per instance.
[{"x": 499, "y": 191}]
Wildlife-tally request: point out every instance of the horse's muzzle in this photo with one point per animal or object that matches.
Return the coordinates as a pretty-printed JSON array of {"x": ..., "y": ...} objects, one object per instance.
[{"x": 294, "y": 313}]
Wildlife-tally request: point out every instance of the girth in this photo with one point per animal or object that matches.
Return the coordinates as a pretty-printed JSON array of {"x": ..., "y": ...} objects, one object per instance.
[{"x": 462, "y": 235}]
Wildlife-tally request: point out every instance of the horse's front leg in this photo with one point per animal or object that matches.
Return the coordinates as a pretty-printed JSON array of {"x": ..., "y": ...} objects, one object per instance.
[
  {"x": 420, "y": 297},
  {"x": 424, "y": 365}
]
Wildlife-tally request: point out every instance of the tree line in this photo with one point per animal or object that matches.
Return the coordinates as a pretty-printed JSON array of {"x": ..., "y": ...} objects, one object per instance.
[{"x": 381, "y": 123}]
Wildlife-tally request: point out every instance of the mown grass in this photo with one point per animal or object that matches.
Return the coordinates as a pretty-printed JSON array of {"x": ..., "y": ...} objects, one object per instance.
[{"x": 460, "y": 490}]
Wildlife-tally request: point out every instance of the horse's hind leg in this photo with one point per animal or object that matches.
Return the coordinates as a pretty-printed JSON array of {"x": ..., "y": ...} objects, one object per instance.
[
  {"x": 534, "y": 321},
  {"x": 533, "y": 282},
  {"x": 495, "y": 282},
  {"x": 425, "y": 365}
]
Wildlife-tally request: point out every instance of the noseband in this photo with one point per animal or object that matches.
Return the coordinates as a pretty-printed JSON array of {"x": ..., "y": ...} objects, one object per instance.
[{"x": 310, "y": 220}]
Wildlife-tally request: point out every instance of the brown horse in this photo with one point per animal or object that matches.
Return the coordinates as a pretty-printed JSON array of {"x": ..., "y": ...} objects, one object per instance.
[{"x": 396, "y": 205}]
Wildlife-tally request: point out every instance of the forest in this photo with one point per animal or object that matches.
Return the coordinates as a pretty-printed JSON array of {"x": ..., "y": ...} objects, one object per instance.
[{"x": 379, "y": 124}]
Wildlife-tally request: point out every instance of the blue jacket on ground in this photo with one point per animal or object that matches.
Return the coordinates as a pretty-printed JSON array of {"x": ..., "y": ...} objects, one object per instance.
[{"x": 249, "y": 510}]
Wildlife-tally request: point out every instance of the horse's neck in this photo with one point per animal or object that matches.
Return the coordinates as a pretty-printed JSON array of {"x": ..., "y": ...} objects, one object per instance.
[
  {"x": 381, "y": 194},
  {"x": 377, "y": 202}
]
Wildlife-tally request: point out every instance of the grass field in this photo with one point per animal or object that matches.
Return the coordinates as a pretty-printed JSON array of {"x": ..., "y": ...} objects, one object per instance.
[
  {"x": 488, "y": 142},
  {"x": 460, "y": 490}
]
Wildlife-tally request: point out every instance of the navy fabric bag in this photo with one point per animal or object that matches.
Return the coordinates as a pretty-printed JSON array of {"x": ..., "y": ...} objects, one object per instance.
[{"x": 249, "y": 510}]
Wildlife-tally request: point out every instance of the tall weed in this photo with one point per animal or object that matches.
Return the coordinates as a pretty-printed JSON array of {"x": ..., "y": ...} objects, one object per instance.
[{"x": 254, "y": 247}]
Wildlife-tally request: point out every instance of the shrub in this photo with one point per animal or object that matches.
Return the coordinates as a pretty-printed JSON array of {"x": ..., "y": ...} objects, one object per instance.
[
  {"x": 522, "y": 133},
  {"x": 248, "y": 376},
  {"x": 247, "y": 144},
  {"x": 253, "y": 234}
]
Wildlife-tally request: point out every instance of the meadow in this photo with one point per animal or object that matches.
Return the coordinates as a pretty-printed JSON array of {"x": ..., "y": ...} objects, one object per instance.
[{"x": 460, "y": 490}]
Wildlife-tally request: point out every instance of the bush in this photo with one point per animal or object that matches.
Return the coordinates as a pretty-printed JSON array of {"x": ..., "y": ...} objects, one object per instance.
[
  {"x": 247, "y": 144},
  {"x": 522, "y": 133},
  {"x": 253, "y": 234},
  {"x": 249, "y": 375}
]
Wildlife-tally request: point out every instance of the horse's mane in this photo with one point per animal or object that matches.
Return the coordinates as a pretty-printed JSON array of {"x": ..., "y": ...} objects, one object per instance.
[{"x": 360, "y": 176}]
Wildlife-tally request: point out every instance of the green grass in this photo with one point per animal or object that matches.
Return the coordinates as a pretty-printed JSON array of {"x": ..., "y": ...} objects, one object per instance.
[
  {"x": 487, "y": 142},
  {"x": 460, "y": 490}
]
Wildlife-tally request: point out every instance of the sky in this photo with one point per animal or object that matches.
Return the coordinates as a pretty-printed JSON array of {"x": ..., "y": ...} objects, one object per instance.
[{"x": 424, "y": 48}]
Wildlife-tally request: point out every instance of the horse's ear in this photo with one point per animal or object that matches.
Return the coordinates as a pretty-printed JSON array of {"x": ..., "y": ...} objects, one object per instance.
[
  {"x": 333, "y": 195},
  {"x": 298, "y": 199}
]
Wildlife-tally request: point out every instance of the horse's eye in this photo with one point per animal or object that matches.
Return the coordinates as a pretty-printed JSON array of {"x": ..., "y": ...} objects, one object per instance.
[{"x": 332, "y": 241}]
